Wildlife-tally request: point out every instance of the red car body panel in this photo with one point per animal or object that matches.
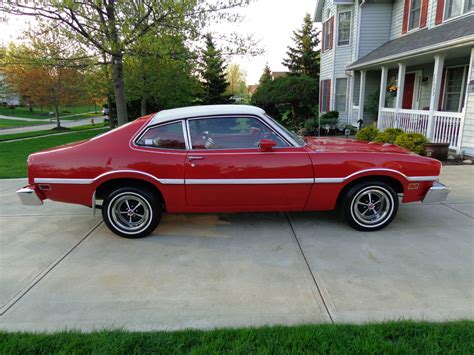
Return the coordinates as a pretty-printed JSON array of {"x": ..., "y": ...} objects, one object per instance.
[{"x": 322, "y": 168}]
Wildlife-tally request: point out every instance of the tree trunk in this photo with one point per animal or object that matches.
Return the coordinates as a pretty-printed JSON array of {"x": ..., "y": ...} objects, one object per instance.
[
  {"x": 143, "y": 106},
  {"x": 56, "y": 111},
  {"x": 119, "y": 89}
]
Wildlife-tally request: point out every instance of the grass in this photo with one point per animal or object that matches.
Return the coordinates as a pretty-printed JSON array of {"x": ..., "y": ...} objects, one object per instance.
[
  {"x": 45, "y": 132},
  {"x": 13, "y": 155},
  {"x": 387, "y": 338},
  {"x": 23, "y": 111},
  {"x": 6, "y": 123}
]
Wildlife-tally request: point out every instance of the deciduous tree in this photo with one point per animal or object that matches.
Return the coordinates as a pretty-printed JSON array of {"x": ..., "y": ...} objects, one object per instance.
[
  {"x": 113, "y": 27},
  {"x": 46, "y": 71}
]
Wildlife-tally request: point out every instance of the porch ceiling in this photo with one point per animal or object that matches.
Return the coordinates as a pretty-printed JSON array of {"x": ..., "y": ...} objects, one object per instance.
[{"x": 457, "y": 35}]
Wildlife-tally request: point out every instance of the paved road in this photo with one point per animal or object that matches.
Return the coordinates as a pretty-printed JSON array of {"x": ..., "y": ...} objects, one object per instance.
[
  {"x": 62, "y": 269},
  {"x": 40, "y": 127}
]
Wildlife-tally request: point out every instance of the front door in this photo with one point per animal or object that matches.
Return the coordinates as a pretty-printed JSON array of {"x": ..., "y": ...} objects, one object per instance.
[
  {"x": 409, "y": 91},
  {"x": 226, "y": 170}
]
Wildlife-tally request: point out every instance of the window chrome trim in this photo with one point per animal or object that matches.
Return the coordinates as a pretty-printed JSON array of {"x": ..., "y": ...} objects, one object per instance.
[
  {"x": 147, "y": 128},
  {"x": 290, "y": 143}
]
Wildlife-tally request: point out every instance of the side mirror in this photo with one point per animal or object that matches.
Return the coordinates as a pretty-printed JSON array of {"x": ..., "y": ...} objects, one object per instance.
[{"x": 266, "y": 145}]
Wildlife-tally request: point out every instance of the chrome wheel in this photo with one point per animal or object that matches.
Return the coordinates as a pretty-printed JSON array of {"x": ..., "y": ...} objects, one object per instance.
[
  {"x": 372, "y": 206},
  {"x": 130, "y": 212}
]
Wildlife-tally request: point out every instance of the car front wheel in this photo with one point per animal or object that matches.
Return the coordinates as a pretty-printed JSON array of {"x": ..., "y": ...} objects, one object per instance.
[
  {"x": 131, "y": 212},
  {"x": 370, "y": 206}
]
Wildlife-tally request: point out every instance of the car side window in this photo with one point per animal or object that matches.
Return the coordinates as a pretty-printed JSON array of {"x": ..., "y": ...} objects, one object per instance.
[
  {"x": 230, "y": 133},
  {"x": 168, "y": 136}
]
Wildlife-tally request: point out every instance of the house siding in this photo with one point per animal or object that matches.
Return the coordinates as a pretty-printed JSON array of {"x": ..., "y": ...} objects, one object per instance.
[
  {"x": 374, "y": 26},
  {"x": 397, "y": 19},
  {"x": 467, "y": 144}
]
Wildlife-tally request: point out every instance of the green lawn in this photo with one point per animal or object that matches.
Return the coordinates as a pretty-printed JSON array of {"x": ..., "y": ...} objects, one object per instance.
[
  {"x": 23, "y": 111},
  {"x": 384, "y": 338},
  {"x": 13, "y": 155},
  {"x": 45, "y": 132},
  {"x": 5, "y": 123}
]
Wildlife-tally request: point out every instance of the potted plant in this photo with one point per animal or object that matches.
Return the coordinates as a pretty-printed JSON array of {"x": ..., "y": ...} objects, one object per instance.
[{"x": 436, "y": 150}]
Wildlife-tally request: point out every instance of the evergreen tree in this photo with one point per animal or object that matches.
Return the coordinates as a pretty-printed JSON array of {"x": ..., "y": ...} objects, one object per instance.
[
  {"x": 266, "y": 76},
  {"x": 213, "y": 74},
  {"x": 304, "y": 58}
]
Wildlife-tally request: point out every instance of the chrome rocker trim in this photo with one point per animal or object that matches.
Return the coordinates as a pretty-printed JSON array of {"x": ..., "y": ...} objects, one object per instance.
[
  {"x": 29, "y": 197},
  {"x": 437, "y": 193}
]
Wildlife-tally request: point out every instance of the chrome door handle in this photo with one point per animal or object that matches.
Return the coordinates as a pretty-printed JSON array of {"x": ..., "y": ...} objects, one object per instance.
[{"x": 195, "y": 157}]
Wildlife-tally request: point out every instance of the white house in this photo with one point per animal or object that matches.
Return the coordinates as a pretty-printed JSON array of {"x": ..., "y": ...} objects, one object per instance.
[{"x": 405, "y": 63}]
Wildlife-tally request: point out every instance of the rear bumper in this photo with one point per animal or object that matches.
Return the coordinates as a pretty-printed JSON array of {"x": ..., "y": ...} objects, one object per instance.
[
  {"x": 437, "y": 193},
  {"x": 29, "y": 197}
]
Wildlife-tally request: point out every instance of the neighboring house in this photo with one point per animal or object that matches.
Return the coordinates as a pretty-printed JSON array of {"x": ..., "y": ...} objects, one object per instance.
[
  {"x": 6, "y": 95},
  {"x": 403, "y": 63},
  {"x": 277, "y": 74}
]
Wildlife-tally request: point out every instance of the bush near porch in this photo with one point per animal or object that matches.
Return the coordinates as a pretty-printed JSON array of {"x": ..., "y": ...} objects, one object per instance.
[{"x": 411, "y": 141}]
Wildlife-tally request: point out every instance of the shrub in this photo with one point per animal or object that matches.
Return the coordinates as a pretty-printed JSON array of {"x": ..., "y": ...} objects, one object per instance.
[
  {"x": 367, "y": 134},
  {"x": 389, "y": 135},
  {"x": 412, "y": 141}
]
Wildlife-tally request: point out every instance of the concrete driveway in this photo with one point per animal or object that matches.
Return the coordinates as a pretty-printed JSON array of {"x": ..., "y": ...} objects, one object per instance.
[{"x": 59, "y": 268}]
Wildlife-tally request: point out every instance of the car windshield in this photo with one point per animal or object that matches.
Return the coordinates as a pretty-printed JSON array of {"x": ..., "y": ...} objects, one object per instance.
[{"x": 298, "y": 139}]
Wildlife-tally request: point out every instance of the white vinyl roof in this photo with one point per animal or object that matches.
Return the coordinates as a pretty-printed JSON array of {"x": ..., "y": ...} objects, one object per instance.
[{"x": 199, "y": 111}]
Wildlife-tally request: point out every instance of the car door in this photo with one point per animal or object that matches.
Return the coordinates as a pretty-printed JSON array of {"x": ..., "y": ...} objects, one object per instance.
[{"x": 226, "y": 170}]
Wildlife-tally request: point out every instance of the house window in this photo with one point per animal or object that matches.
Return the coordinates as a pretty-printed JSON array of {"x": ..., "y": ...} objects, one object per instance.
[
  {"x": 327, "y": 34},
  {"x": 325, "y": 92},
  {"x": 453, "y": 89},
  {"x": 341, "y": 94},
  {"x": 453, "y": 8},
  {"x": 344, "y": 28},
  {"x": 415, "y": 12},
  {"x": 469, "y": 5}
]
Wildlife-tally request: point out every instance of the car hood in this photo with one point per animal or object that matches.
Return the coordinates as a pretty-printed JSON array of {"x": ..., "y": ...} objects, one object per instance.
[{"x": 351, "y": 146}]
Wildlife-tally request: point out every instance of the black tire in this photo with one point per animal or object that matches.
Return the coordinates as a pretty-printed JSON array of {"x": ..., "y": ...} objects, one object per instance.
[
  {"x": 370, "y": 206},
  {"x": 132, "y": 212}
]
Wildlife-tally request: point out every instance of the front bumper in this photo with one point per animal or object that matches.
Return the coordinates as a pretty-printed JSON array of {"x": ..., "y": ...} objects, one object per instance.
[
  {"x": 437, "y": 193},
  {"x": 29, "y": 197}
]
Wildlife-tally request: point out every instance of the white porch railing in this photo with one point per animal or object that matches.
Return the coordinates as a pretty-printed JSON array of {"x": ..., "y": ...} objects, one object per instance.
[
  {"x": 446, "y": 124},
  {"x": 353, "y": 117}
]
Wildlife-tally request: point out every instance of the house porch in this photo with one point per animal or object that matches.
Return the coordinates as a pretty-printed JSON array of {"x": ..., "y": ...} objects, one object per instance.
[{"x": 427, "y": 93}]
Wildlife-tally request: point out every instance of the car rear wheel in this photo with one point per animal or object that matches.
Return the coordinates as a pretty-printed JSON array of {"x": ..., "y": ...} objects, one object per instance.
[
  {"x": 370, "y": 206},
  {"x": 132, "y": 212}
]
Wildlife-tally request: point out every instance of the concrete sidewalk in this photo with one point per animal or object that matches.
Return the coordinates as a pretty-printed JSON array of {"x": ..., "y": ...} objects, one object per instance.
[
  {"x": 59, "y": 268},
  {"x": 46, "y": 126}
]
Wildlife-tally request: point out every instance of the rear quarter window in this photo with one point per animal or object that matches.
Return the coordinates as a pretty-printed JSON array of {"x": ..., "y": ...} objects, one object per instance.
[{"x": 168, "y": 136}]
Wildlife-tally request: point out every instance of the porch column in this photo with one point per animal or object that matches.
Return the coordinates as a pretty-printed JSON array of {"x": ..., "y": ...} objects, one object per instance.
[
  {"x": 401, "y": 88},
  {"x": 435, "y": 92},
  {"x": 363, "y": 75},
  {"x": 383, "y": 91}
]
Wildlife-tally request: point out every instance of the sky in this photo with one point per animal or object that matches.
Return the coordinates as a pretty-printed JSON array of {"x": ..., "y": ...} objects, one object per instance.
[{"x": 271, "y": 22}]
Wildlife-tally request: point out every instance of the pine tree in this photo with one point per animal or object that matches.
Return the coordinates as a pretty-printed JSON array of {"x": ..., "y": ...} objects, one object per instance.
[
  {"x": 213, "y": 74},
  {"x": 304, "y": 58},
  {"x": 266, "y": 76}
]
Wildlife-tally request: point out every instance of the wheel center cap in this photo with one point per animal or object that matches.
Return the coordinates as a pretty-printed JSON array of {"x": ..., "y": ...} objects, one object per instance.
[
  {"x": 371, "y": 206},
  {"x": 130, "y": 213}
]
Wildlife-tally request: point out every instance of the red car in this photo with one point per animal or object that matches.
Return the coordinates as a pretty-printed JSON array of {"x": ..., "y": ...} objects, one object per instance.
[{"x": 227, "y": 158}]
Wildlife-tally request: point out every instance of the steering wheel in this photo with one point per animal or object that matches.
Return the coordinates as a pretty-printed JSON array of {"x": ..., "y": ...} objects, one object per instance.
[{"x": 207, "y": 140}]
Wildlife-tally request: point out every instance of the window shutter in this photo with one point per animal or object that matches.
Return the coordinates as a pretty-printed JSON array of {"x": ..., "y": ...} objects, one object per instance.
[
  {"x": 328, "y": 97},
  {"x": 332, "y": 32},
  {"x": 439, "y": 12},
  {"x": 324, "y": 35},
  {"x": 424, "y": 13},
  {"x": 321, "y": 83},
  {"x": 405, "y": 16}
]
